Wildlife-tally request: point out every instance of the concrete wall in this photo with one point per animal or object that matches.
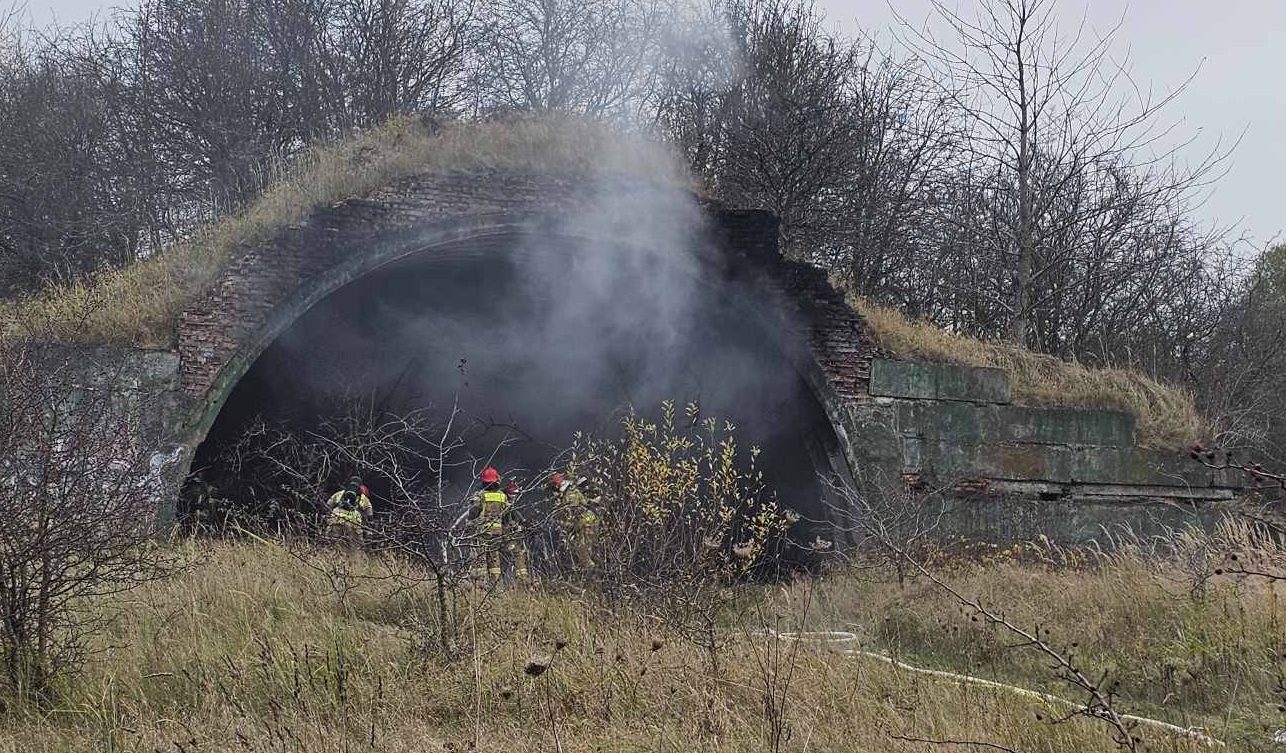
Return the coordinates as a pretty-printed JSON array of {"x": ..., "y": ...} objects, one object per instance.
[
  {"x": 1017, "y": 471},
  {"x": 129, "y": 395}
]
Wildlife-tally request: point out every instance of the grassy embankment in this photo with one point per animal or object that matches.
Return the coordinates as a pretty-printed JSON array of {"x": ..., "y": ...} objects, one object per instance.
[
  {"x": 251, "y": 650},
  {"x": 1166, "y": 415}
]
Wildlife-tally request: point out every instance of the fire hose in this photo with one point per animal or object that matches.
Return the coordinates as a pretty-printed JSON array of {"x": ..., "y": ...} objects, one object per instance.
[{"x": 845, "y": 643}]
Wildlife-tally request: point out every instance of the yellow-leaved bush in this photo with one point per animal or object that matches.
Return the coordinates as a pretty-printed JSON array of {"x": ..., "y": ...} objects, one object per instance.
[{"x": 682, "y": 501}]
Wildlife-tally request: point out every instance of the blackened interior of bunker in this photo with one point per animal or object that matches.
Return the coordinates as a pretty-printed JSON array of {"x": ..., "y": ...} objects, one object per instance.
[{"x": 531, "y": 343}]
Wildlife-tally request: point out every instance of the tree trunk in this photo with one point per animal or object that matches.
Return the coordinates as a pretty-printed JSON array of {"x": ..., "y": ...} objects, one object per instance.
[{"x": 1020, "y": 325}]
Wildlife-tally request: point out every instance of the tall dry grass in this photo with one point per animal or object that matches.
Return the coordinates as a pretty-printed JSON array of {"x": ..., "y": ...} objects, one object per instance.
[
  {"x": 139, "y": 305},
  {"x": 1182, "y": 638},
  {"x": 251, "y": 650},
  {"x": 1166, "y": 415}
]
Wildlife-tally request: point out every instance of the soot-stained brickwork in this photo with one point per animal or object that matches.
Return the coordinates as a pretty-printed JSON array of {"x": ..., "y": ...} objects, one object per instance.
[
  {"x": 339, "y": 243},
  {"x": 276, "y": 280},
  {"x": 800, "y": 301}
]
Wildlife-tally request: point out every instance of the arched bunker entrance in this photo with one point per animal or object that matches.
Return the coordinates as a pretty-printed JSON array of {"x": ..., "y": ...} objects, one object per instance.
[
  {"x": 540, "y": 306},
  {"x": 530, "y": 347},
  {"x": 1017, "y": 471}
]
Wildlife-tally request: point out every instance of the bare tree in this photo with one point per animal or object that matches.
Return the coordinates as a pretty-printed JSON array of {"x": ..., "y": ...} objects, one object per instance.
[
  {"x": 80, "y": 499},
  {"x": 697, "y": 67},
  {"x": 845, "y": 143},
  {"x": 71, "y": 200},
  {"x": 395, "y": 57},
  {"x": 1241, "y": 370},
  {"x": 764, "y": 106},
  {"x": 878, "y": 231},
  {"x": 1077, "y": 188},
  {"x": 793, "y": 123},
  {"x": 592, "y": 57},
  {"x": 206, "y": 96}
]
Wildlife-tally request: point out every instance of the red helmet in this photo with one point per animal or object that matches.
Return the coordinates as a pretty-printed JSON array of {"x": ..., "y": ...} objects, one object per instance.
[
  {"x": 511, "y": 488},
  {"x": 556, "y": 479},
  {"x": 489, "y": 475}
]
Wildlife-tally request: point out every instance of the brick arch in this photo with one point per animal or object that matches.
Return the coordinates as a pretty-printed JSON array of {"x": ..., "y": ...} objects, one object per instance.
[{"x": 274, "y": 283}]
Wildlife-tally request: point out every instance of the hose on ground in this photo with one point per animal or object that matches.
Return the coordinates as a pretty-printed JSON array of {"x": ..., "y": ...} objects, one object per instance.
[{"x": 846, "y": 643}]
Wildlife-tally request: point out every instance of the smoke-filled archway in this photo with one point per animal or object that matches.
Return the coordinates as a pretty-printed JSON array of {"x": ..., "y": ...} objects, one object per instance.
[{"x": 533, "y": 337}]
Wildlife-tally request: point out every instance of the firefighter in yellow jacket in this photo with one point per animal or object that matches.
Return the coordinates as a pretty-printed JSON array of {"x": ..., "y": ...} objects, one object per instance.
[
  {"x": 350, "y": 510},
  {"x": 495, "y": 530},
  {"x": 577, "y": 516}
]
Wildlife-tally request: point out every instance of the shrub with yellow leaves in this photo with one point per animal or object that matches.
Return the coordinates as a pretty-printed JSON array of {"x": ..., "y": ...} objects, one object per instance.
[
  {"x": 682, "y": 501},
  {"x": 687, "y": 517}
]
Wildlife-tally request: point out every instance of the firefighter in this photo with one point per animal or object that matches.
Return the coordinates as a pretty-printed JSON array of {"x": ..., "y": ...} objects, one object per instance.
[
  {"x": 486, "y": 516},
  {"x": 514, "y": 530},
  {"x": 577, "y": 516},
  {"x": 350, "y": 510}
]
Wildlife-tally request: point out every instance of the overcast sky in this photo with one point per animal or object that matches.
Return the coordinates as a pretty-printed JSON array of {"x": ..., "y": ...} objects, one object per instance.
[{"x": 1236, "y": 44}]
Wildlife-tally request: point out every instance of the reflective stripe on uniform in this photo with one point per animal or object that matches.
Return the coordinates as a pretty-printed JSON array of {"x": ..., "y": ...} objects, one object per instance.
[
  {"x": 348, "y": 516},
  {"x": 494, "y": 504}
]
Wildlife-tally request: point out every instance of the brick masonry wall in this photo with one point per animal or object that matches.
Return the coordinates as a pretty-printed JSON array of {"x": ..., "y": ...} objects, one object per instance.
[
  {"x": 227, "y": 321},
  {"x": 802, "y": 303}
]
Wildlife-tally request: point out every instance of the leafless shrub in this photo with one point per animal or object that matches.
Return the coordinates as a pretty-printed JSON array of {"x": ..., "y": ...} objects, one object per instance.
[
  {"x": 885, "y": 519},
  {"x": 79, "y": 514},
  {"x": 285, "y": 477},
  {"x": 777, "y": 662},
  {"x": 1254, "y": 547}
]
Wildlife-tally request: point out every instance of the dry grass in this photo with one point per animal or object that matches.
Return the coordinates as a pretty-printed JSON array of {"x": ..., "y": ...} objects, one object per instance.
[
  {"x": 1189, "y": 647},
  {"x": 250, "y": 650},
  {"x": 139, "y": 304},
  {"x": 1166, "y": 415}
]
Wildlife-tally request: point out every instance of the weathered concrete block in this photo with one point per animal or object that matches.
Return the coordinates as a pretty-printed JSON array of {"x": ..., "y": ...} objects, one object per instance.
[
  {"x": 1074, "y": 520},
  {"x": 957, "y": 422},
  {"x": 872, "y": 433},
  {"x": 1058, "y": 464},
  {"x": 1097, "y": 428},
  {"x": 973, "y": 423},
  {"x": 936, "y": 381},
  {"x": 1173, "y": 467},
  {"x": 134, "y": 395},
  {"x": 1028, "y": 462}
]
